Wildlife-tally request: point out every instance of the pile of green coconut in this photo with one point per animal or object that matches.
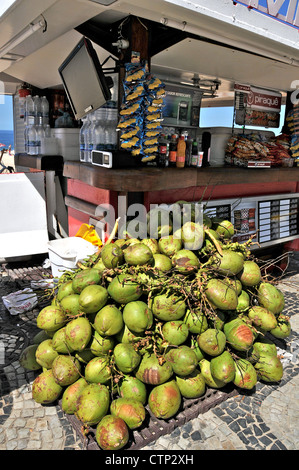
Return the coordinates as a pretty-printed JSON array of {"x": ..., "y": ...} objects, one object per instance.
[{"x": 146, "y": 323}]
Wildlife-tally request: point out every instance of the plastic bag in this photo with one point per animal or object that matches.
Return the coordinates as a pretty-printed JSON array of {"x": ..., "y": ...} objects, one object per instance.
[{"x": 20, "y": 301}]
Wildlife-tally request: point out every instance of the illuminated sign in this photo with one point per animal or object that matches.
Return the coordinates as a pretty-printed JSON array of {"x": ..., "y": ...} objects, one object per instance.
[{"x": 282, "y": 10}]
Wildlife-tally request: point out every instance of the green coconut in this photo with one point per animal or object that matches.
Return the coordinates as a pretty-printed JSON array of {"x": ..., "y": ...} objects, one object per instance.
[
  {"x": 205, "y": 368},
  {"x": 71, "y": 395},
  {"x": 168, "y": 307},
  {"x": 152, "y": 243},
  {"x": 126, "y": 358},
  {"x": 66, "y": 369},
  {"x": 45, "y": 389},
  {"x": 65, "y": 289},
  {"x": 84, "y": 278},
  {"x": 263, "y": 345},
  {"x": 223, "y": 367},
  {"x": 123, "y": 289},
  {"x": 183, "y": 360},
  {"x": 130, "y": 410},
  {"x": 93, "y": 404},
  {"x": 245, "y": 374},
  {"x": 131, "y": 387},
  {"x": 212, "y": 341},
  {"x": 70, "y": 305},
  {"x": 271, "y": 298},
  {"x": 229, "y": 263},
  {"x": 283, "y": 328},
  {"x": 225, "y": 228},
  {"x": 112, "y": 256},
  {"x": 45, "y": 354},
  {"x": 100, "y": 345},
  {"x": 59, "y": 342},
  {"x": 269, "y": 368},
  {"x": 28, "y": 358},
  {"x": 193, "y": 235},
  {"x": 164, "y": 400},
  {"x": 196, "y": 321},
  {"x": 262, "y": 318},
  {"x": 137, "y": 316},
  {"x": 185, "y": 261},
  {"x": 192, "y": 385},
  {"x": 98, "y": 370},
  {"x": 175, "y": 332},
  {"x": 108, "y": 321},
  {"x": 170, "y": 245},
  {"x": 78, "y": 333},
  {"x": 243, "y": 302},
  {"x": 93, "y": 298},
  {"x": 162, "y": 262},
  {"x": 112, "y": 433},
  {"x": 238, "y": 334},
  {"x": 150, "y": 371},
  {"x": 221, "y": 294},
  {"x": 51, "y": 318},
  {"x": 138, "y": 255},
  {"x": 250, "y": 275}
]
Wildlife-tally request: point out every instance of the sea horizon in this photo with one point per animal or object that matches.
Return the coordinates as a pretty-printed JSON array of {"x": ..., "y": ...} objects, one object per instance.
[{"x": 7, "y": 138}]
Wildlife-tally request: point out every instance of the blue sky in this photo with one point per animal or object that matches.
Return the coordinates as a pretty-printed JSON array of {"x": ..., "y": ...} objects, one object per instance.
[{"x": 6, "y": 113}]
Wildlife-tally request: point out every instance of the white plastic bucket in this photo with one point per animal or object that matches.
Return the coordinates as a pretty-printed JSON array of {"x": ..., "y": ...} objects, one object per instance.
[{"x": 64, "y": 253}]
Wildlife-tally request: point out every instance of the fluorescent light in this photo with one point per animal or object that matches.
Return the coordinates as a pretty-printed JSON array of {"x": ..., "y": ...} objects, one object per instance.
[
  {"x": 28, "y": 31},
  {"x": 5, "y": 5}
]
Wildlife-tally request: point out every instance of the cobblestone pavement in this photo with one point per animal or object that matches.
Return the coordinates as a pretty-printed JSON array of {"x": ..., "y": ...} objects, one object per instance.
[{"x": 264, "y": 419}]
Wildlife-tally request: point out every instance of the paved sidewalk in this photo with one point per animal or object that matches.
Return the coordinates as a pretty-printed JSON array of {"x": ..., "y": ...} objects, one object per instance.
[{"x": 264, "y": 419}]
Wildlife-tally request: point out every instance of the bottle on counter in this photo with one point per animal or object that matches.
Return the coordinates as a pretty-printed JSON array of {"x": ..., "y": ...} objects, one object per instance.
[
  {"x": 29, "y": 111},
  {"x": 194, "y": 157},
  {"x": 181, "y": 152},
  {"x": 110, "y": 129},
  {"x": 86, "y": 139},
  {"x": 99, "y": 134},
  {"x": 173, "y": 150},
  {"x": 162, "y": 160},
  {"x": 81, "y": 139},
  {"x": 37, "y": 110},
  {"x": 188, "y": 151},
  {"x": 31, "y": 145},
  {"x": 40, "y": 135},
  {"x": 45, "y": 111}
]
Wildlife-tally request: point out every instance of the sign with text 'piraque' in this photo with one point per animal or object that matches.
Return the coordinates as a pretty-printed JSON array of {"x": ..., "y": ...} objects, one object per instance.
[
  {"x": 286, "y": 11},
  {"x": 257, "y": 107}
]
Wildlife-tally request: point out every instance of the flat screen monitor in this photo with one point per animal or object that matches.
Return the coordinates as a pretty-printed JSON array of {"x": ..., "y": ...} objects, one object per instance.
[{"x": 83, "y": 79}]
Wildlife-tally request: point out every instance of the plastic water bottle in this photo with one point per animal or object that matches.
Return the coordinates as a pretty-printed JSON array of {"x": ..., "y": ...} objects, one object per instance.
[
  {"x": 81, "y": 139},
  {"x": 90, "y": 141},
  {"x": 29, "y": 111},
  {"x": 99, "y": 129},
  {"x": 86, "y": 139},
  {"x": 32, "y": 147},
  {"x": 45, "y": 111},
  {"x": 37, "y": 110},
  {"x": 47, "y": 129},
  {"x": 111, "y": 133},
  {"x": 40, "y": 134}
]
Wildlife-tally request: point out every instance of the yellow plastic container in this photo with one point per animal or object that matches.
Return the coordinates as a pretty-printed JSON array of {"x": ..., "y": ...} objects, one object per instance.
[{"x": 87, "y": 232}]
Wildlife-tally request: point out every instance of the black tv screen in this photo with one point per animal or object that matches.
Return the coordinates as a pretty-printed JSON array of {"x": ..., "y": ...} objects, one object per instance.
[{"x": 84, "y": 80}]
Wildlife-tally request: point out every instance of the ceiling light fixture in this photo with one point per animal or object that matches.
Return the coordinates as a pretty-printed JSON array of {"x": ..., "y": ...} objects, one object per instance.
[{"x": 40, "y": 23}]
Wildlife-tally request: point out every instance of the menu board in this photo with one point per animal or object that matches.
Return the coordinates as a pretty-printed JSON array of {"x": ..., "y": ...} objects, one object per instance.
[{"x": 257, "y": 107}]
